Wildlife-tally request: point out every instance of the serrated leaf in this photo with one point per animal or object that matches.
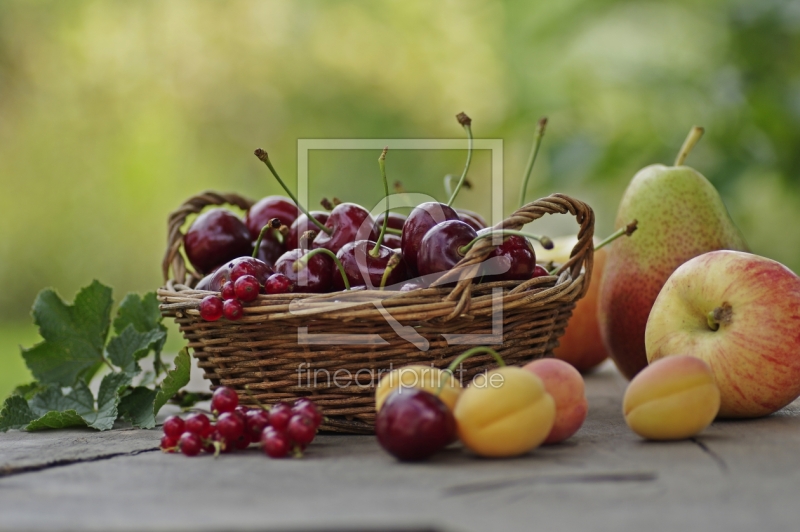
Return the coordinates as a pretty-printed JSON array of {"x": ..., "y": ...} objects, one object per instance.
[
  {"x": 125, "y": 349},
  {"x": 108, "y": 399},
  {"x": 176, "y": 378},
  {"x": 52, "y": 399},
  {"x": 57, "y": 420},
  {"x": 143, "y": 314},
  {"x": 137, "y": 408},
  {"x": 74, "y": 335},
  {"x": 28, "y": 391},
  {"x": 16, "y": 414}
]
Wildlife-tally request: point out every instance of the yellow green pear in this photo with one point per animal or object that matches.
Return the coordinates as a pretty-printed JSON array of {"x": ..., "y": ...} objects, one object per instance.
[{"x": 680, "y": 216}]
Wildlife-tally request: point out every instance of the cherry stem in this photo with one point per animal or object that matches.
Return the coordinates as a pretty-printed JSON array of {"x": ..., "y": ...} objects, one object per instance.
[
  {"x": 274, "y": 223},
  {"x": 264, "y": 158},
  {"x": 303, "y": 261},
  {"x": 465, "y": 121},
  {"x": 376, "y": 250},
  {"x": 543, "y": 240},
  {"x": 465, "y": 355},
  {"x": 691, "y": 139},
  {"x": 394, "y": 261},
  {"x": 393, "y": 231},
  {"x": 537, "y": 142},
  {"x": 627, "y": 230}
]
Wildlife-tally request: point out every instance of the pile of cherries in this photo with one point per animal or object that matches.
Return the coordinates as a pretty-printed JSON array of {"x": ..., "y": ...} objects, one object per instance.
[
  {"x": 280, "y": 431},
  {"x": 281, "y": 247}
]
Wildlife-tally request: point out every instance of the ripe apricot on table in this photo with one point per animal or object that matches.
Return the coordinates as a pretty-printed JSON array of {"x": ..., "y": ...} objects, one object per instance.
[
  {"x": 424, "y": 378},
  {"x": 565, "y": 384},
  {"x": 504, "y": 413},
  {"x": 672, "y": 399}
]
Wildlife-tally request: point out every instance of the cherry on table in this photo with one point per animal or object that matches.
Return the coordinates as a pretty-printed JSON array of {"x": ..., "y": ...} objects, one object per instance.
[
  {"x": 419, "y": 222},
  {"x": 214, "y": 237},
  {"x": 413, "y": 424},
  {"x": 266, "y": 209}
]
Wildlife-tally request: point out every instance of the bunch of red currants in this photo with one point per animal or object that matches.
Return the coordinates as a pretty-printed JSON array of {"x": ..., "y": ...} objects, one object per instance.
[
  {"x": 279, "y": 431},
  {"x": 281, "y": 247}
]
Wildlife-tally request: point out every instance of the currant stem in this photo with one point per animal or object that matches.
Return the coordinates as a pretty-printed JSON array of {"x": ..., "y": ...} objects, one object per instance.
[
  {"x": 303, "y": 261},
  {"x": 264, "y": 158},
  {"x": 537, "y": 141},
  {"x": 543, "y": 240},
  {"x": 465, "y": 355},
  {"x": 274, "y": 223},
  {"x": 466, "y": 122},
  {"x": 627, "y": 230},
  {"x": 688, "y": 144},
  {"x": 375, "y": 251},
  {"x": 254, "y": 398}
]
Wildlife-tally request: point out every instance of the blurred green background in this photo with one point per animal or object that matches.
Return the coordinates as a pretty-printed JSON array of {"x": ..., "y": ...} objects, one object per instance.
[{"x": 113, "y": 112}]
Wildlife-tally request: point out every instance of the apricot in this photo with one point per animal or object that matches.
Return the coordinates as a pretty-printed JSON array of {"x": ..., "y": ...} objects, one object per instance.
[
  {"x": 671, "y": 399},
  {"x": 505, "y": 412},
  {"x": 565, "y": 384},
  {"x": 421, "y": 377}
]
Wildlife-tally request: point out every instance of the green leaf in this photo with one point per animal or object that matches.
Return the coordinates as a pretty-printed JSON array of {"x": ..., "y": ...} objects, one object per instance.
[
  {"x": 28, "y": 391},
  {"x": 79, "y": 402},
  {"x": 143, "y": 314},
  {"x": 176, "y": 378},
  {"x": 57, "y": 420},
  {"x": 131, "y": 345},
  {"x": 108, "y": 399},
  {"x": 74, "y": 335},
  {"x": 16, "y": 414},
  {"x": 137, "y": 408}
]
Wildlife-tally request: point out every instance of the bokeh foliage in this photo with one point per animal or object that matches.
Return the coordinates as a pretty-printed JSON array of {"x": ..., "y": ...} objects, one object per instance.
[{"x": 113, "y": 112}]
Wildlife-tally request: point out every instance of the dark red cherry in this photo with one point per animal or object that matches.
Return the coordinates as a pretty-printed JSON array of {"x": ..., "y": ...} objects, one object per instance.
[
  {"x": 539, "y": 271},
  {"x": 348, "y": 222},
  {"x": 419, "y": 222},
  {"x": 516, "y": 257},
  {"x": 301, "y": 225},
  {"x": 266, "y": 209},
  {"x": 439, "y": 249},
  {"x": 361, "y": 267},
  {"x": 413, "y": 425},
  {"x": 315, "y": 277},
  {"x": 396, "y": 221},
  {"x": 214, "y": 237},
  {"x": 269, "y": 250},
  {"x": 392, "y": 241},
  {"x": 278, "y": 284},
  {"x": 474, "y": 219}
]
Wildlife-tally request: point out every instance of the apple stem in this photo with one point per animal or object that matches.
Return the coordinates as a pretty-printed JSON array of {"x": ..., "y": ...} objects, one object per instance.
[
  {"x": 376, "y": 250},
  {"x": 466, "y": 122},
  {"x": 543, "y": 240},
  {"x": 274, "y": 223},
  {"x": 264, "y": 158},
  {"x": 537, "y": 142},
  {"x": 720, "y": 316},
  {"x": 465, "y": 355},
  {"x": 394, "y": 261},
  {"x": 691, "y": 139},
  {"x": 627, "y": 230},
  {"x": 301, "y": 263}
]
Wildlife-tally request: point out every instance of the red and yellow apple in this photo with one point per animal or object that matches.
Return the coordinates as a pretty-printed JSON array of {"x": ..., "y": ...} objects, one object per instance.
[
  {"x": 740, "y": 313},
  {"x": 581, "y": 345}
]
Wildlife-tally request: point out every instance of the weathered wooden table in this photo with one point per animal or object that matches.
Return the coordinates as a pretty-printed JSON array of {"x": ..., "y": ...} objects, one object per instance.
[{"x": 742, "y": 475}]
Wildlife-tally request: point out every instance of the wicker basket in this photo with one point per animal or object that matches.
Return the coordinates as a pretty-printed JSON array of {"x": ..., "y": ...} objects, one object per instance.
[{"x": 333, "y": 347}]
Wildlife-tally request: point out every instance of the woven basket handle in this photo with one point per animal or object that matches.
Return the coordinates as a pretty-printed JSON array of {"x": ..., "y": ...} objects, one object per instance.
[
  {"x": 172, "y": 257},
  {"x": 582, "y": 254}
]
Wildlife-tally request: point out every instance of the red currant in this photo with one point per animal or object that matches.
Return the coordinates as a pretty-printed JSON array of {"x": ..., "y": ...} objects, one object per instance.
[
  {"x": 243, "y": 268},
  {"x": 277, "y": 283},
  {"x": 190, "y": 444},
  {"x": 230, "y": 426},
  {"x": 211, "y": 308},
  {"x": 246, "y": 288},
  {"x": 257, "y": 421},
  {"x": 275, "y": 443},
  {"x": 308, "y": 408},
  {"x": 198, "y": 423},
  {"x": 169, "y": 444},
  {"x": 301, "y": 429},
  {"x": 224, "y": 400},
  {"x": 174, "y": 427},
  {"x": 228, "y": 291},
  {"x": 232, "y": 309},
  {"x": 279, "y": 416},
  {"x": 243, "y": 441}
]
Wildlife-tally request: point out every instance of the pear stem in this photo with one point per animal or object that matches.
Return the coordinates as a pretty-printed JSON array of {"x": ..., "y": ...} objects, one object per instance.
[
  {"x": 466, "y": 122},
  {"x": 543, "y": 240},
  {"x": 301, "y": 263},
  {"x": 627, "y": 230},
  {"x": 376, "y": 250},
  {"x": 264, "y": 158},
  {"x": 688, "y": 144},
  {"x": 537, "y": 141}
]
